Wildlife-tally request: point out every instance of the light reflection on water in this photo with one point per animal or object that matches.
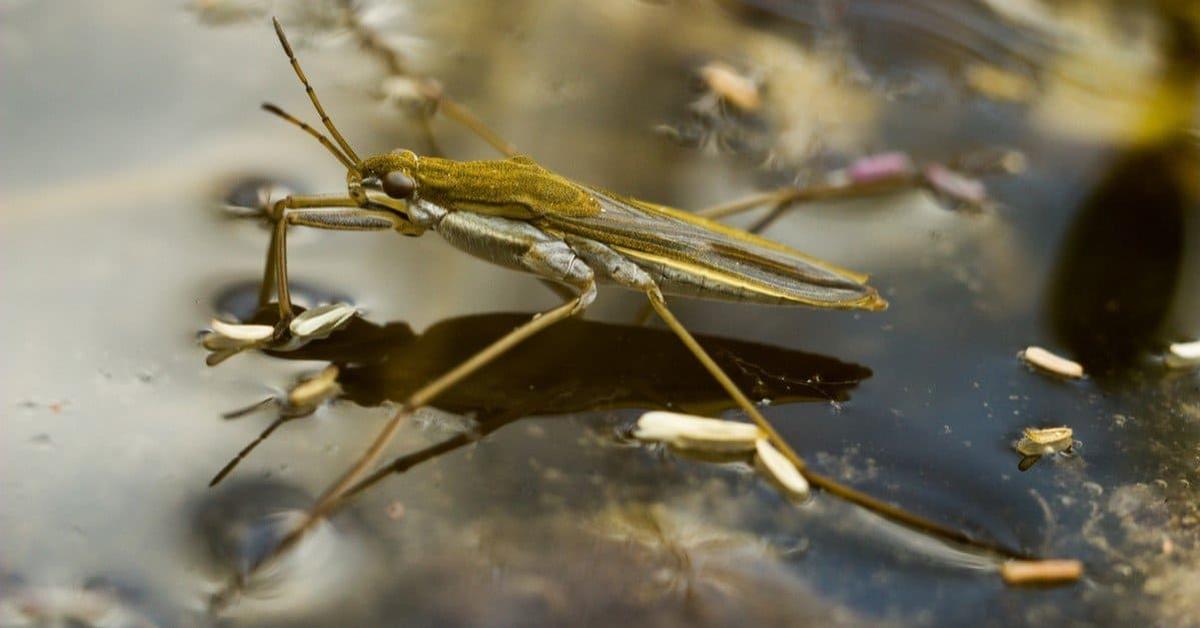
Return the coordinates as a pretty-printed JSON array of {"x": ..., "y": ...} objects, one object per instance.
[{"x": 113, "y": 255}]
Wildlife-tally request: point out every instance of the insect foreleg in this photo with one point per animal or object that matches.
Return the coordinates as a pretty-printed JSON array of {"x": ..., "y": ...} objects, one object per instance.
[
  {"x": 339, "y": 213},
  {"x": 272, "y": 271}
]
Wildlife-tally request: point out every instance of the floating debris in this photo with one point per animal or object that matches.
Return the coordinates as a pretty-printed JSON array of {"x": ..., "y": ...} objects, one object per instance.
[
  {"x": 732, "y": 86},
  {"x": 321, "y": 321},
  {"x": 955, "y": 185},
  {"x": 302, "y": 400},
  {"x": 1051, "y": 363},
  {"x": 1046, "y": 441},
  {"x": 1043, "y": 441},
  {"x": 241, "y": 333},
  {"x": 778, "y": 468},
  {"x": 697, "y": 433},
  {"x": 228, "y": 339},
  {"x": 999, "y": 84},
  {"x": 311, "y": 393},
  {"x": 1183, "y": 355},
  {"x": 880, "y": 167},
  {"x": 1053, "y": 571}
]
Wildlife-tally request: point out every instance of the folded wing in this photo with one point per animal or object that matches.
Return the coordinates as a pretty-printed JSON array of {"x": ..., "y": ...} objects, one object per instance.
[{"x": 689, "y": 243}]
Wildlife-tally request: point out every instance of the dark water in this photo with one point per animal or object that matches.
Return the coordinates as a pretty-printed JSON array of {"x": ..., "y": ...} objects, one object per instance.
[{"x": 523, "y": 500}]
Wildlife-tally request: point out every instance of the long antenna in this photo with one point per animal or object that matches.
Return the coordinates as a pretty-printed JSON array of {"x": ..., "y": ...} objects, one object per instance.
[
  {"x": 312, "y": 94},
  {"x": 313, "y": 132}
]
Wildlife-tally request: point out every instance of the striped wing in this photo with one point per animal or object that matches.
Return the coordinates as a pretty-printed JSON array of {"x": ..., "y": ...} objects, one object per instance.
[{"x": 700, "y": 247}]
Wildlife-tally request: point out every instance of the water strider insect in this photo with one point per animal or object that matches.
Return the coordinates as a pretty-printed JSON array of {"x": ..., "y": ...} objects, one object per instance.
[{"x": 517, "y": 214}]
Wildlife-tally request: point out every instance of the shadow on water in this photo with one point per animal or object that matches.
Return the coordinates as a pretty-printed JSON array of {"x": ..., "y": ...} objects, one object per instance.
[
  {"x": 610, "y": 366},
  {"x": 1122, "y": 260},
  {"x": 385, "y": 363}
]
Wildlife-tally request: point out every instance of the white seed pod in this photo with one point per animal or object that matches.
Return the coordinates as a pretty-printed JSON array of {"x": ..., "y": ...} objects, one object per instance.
[
  {"x": 313, "y": 391},
  {"x": 247, "y": 333},
  {"x": 1182, "y": 355},
  {"x": 1041, "y": 571},
  {"x": 1045, "y": 441},
  {"x": 778, "y": 468},
  {"x": 736, "y": 88},
  {"x": 321, "y": 321},
  {"x": 697, "y": 433},
  {"x": 1051, "y": 363}
]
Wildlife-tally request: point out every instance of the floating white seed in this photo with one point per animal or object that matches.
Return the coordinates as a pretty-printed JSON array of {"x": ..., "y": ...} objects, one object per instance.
[
  {"x": 248, "y": 333},
  {"x": 216, "y": 342},
  {"x": 697, "y": 433},
  {"x": 1041, "y": 571},
  {"x": 315, "y": 390},
  {"x": 726, "y": 82},
  {"x": 1182, "y": 355},
  {"x": 1049, "y": 362},
  {"x": 322, "y": 321},
  {"x": 773, "y": 463}
]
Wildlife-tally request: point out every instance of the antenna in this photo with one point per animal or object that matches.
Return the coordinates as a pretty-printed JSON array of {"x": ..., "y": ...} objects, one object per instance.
[
  {"x": 313, "y": 132},
  {"x": 312, "y": 94}
]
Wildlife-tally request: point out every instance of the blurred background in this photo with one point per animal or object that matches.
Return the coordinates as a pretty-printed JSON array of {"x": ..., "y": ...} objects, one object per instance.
[{"x": 1056, "y": 153}]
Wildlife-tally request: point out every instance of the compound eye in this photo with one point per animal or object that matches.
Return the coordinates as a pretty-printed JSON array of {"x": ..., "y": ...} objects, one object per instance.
[{"x": 396, "y": 184}]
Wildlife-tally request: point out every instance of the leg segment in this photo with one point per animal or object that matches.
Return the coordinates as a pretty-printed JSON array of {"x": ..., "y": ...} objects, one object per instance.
[
  {"x": 660, "y": 306},
  {"x": 335, "y": 494},
  {"x": 408, "y": 461},
  {"x": 241, "y": 455},
  {"x": 338, "y": 213},
  {"x": 782, "y": 199},
  {"x": 826, "y": 483}
]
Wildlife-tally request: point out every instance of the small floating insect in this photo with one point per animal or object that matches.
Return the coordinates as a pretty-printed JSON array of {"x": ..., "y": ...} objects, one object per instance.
[{"x": 1037, "y": 442}]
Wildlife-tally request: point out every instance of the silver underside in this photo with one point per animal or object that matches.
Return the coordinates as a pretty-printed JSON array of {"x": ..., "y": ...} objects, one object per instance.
[{"x": 576, "y": 261}]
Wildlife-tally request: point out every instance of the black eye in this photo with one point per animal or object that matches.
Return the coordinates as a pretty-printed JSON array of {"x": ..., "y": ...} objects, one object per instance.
[{"x": 396, "y": 184}]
